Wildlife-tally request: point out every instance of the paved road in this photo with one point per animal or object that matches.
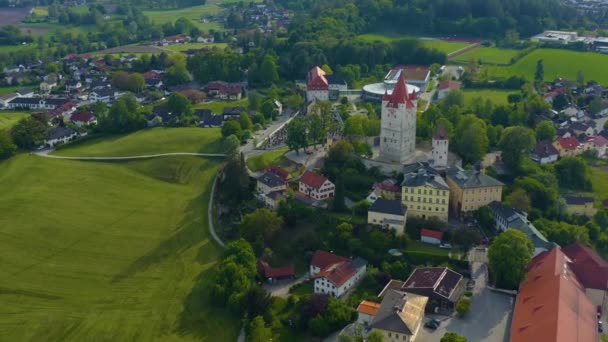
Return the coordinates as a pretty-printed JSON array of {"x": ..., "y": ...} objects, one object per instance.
[
  {"x": 282, "y": 289},
  {"x": 144, "y": 156}
]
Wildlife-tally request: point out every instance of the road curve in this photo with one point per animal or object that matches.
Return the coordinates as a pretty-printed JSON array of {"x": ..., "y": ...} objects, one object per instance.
[
  {"x": 144, "y": 156},
  {"x": 210, "y": 213}
]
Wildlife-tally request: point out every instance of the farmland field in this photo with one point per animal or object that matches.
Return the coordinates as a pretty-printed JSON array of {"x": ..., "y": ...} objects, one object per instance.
[
  {"x": 193, "y": 13},
  {"x": 131, "y": 49},
  {"x": 12, "y": 16},
  {"x": 8, "y": 119},
  {"x": 489, "y": 55},
  {"x": 149, "y": 141},
  {"x": 188, "y": 46},
  {"x": 108, "y": 251},
  {"x": 441, "y": 45},
  {"x": 497, "y": 96},
  {"x": 557, "y": 63}
]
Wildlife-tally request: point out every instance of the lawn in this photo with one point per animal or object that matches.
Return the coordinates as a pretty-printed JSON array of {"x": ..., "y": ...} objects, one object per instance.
[
  {"x": 441, "y": 45},
  {"x": 266, "y": 159},
  {"x": 184, "y": 47},
  {"x": 108, "y": 251},
  {"x": 193, "y": 13},
  {"x": 417, "y": 246},
  {"x": 8, "y": 119},
  {"x": 558, "y": 63},
  {"x": 149, "y": 141},
  {"x": 218, "y": 106},
  {"x": 497, "y": 96},
  {"x": 9, "y": 89},
  {"x": 488, "y": 55},
  {"x": 599, "y": 181}
]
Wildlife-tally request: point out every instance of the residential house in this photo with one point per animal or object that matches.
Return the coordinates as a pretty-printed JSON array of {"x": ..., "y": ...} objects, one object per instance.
[
  {"x": 270, "y": 188},
  {"x": 433, "y": 237},
  {"x": 316, "y": 186},
  {"x": 59, "y": 135},
  {"x": 128, "y": 58},
  {"x": 573, "y": 112},
  {"x": 6, "y": 98},
  {"x": 568, "y": 147},
  {"x": 278, "y": 106},
  {"x": 224, "y": 90},
  {"x": 441, "y": 285},
  {"x": 73, "y": 85},
  {"x": 105, "y": 95},
  {"x": 471, "y": 189},
  {"x": 25, "y": 92},
  {"x": 425, "y": 192},
  {"x": 400, "y": 316},
  {"x": 506, "y": 217},
  {"x": 13, "y": 68},
  {"x": 445, "y": 87},
  {"x": 388, "y": 214},
  {"x": 551, "y": 304},
  {"x": 64, "y": 110},
  {"x": 178, "y": 39},
  {"x": 207, "y": 38},
  {"x": 272, "y": 274},
  {"x": 232, "y": 113},
  {"x": 579, "y": 128},
  {"x": 388, "y": 189},
  {"x": 282, "y": 173},
  {"x": 591, "y": 271},
  {"x": 81, "y": 119},
  {"x": 48, "y": 85},
  {"x": 154, "y": 83},
  {"x": 597, "y": 143},
  {"x": 334, "y": 275},
  {"x": 580, "y": 206},
  {"x": 209, "y": 120},
  {"x": 36, "y": 103},
  {"x": 366, "y": 310},
  {"x": 544, "y": 152}
]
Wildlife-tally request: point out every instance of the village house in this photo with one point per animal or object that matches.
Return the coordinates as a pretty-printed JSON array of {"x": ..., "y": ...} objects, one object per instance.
[
  {"x": 25, "y": 92},
  {"x": 433, "y": 237},
  {"x": 471, "y": 189},
  {"x": 232, "y": 113},
  {"x": 48, "y": 85},
  {"x": 597, "y": 143},
  {"x": 400, "y": 316},
  {"x": 6, "y": 98},
  {"x": 424, "y": 192},
  {"x": 64, "y": 111},
  {"x": 59, "y": 135},
  {"x": 73, "y": 85},
  {"x": 316, "y": 186},
  {"x": 544, "y": 152},
  {"x": 388, "y": 189},
  {"x": 272, "y": 274},
  {"x": 106, "y": 95},
  {"x": 224, "y": 90},
  {"x": 271, "y": 188},
  {"x": 576, "y": 205},
  {"x": 591, "y": 270},
  {"x": 551, "y": 304},
  {"x": 208, "y": 119},
  {"x": 333, "y": 274},
  {"x": 206, "y": 38},
  {"x": 36, "y": 103},
  {"x": 388, "y": 214},
  {"x": 366, "y": 310},
  {"x": 323, "y": 87},
  {"x": 445, "y": 87},
  {"x": 568, "y": 147},
  {"x": 81, "y": 119},
  {"x": 441, "y": 285},
  {"x": 579, "y": 128}
]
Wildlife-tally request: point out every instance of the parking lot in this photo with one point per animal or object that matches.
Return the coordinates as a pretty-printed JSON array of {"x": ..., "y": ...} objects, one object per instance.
[{"x": 488, "y": 319}]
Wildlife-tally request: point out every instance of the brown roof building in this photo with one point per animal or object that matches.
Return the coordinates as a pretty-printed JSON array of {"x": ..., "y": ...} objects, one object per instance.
[
  {"x": 400, "y": 316},
  {"x": 551, "y": 304},
  {"x": 590, "y": 269}
]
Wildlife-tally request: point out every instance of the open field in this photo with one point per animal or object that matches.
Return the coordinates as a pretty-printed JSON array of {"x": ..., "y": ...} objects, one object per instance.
[
  {"x": 488, "y": 55},
  {"x": 194, "y": 13},
  {"x": 497, "y": 96},
  {"x": 417, "y": 246},
  {"x": 108, "y": 251},
  {"x": 11, "y": 16},
  {"x": 558, "y": 63},
  {"x": 10, "y": 89},
  {"x": 8, "y": 119},
  {"x": 40, "y": 11},
  {"x": 218, "y": 106},
  {"x": 441, "y": 45},
  {"x": 188, "y": 46},
  {"x": 128, "y": 49},
  {"x": 149, "y": 141},
  {"x": 599, "y": 181},
  {"x": 262, "y": 161}
]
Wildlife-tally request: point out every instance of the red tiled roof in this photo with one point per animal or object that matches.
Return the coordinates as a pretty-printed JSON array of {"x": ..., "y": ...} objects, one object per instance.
[
  {"x": 588, "y": 266},
  {"x": 368, "y": 308},
  {"x": 152, "y": 75},
  {"x": 322, "y": 259},
  {"x": 431, "y": 233},
  {"x": 598, "y": 140},
  {"x": 551, "y": 304},
  {"x": 279, "y": 272},
  {"x": 338, "y": 273},
  {"x": 400, "y": 94},
  {"x": 278, "y": 171},
  {"x": 449, "y": 84},
  {"x": 313, "y": 179},
  {"x": 570, "y": 143},
  {"x": 316, "y": 79},
  {"x": 441, "y": 133},
  {"x": 82, "y": 117}
]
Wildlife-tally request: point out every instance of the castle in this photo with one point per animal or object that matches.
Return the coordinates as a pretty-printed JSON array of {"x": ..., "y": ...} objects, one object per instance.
[{"x": 398, "y": 124}]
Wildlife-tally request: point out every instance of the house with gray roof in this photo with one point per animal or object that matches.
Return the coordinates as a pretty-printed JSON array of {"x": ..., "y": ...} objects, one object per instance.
[
  {"x": 59, "y": 135},
  {"x": 400, "y": 316},
  {"x": 388, "y": 214}
]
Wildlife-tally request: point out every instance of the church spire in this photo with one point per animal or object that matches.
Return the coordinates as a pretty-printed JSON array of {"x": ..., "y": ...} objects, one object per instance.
[{"x": 400, "y": 94}]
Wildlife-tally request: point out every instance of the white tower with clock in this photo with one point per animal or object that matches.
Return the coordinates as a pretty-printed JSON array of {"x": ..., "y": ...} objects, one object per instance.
[{"x": 398, "y": 124}]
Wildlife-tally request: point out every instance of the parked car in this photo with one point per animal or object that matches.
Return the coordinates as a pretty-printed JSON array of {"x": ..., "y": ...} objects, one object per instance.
[
  {"x": 600, "y": 327},
  {"x": 432, "y": 324},
  {"x": 599, "y": 311},
  {"x": 470, "y": 285}
]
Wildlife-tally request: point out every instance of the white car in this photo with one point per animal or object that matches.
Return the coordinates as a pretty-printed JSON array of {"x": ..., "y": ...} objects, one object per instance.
[{"x": 445, "y": 245}]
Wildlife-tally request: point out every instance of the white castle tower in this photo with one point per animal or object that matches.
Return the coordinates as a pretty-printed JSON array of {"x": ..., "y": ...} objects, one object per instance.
[
  {"x": 439, "y": 154},
  {"x": 398, "y": 124}
]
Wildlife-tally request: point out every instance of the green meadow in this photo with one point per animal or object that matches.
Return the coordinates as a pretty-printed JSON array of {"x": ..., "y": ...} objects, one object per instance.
[
  {"x": 497, "y": 96},
  {"x": 193, "y": 13},
  {"x": 264, "y": 160},
  {"x": 488, "y": 55},
  {"x": 8, "y": 119},
  {"x": 441, "y": 45},
  {"x": 188, "y": 46}
]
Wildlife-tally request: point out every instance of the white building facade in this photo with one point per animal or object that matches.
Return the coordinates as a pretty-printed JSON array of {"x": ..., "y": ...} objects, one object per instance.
[{"x": 398, "y": 124}]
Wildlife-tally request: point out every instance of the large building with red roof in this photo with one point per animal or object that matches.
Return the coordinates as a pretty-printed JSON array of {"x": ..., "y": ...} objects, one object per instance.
[
  {"x": 334, "y": 274},
  {"x": 398, "y": 124},
  {"x": 316, "y": 186},
  {"x": 568, "y": 147},
  {"x": 551, "y": 304},
  {"x": 323, "y": 87},
  {"x": 591, "y": 270}
]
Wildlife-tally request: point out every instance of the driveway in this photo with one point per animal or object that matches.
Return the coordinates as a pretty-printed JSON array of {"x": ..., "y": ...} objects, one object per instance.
[
  {"x": 489, "y": 319},
  {"x": 281, "y": 288}
]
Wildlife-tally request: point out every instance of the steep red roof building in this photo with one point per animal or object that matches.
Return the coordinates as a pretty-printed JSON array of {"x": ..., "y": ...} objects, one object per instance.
[
  {"x": 570, "y": 143},
  {"x": 400, "y": 95},
  {"x": 316, "y": 80},
  {"x": 321, "y": 259},
  {"x": 589, "y": 267}
]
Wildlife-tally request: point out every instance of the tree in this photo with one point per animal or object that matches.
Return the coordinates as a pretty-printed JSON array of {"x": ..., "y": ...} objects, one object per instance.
[
  {"x": 327, "y": 69},
  {"x": 232, "y": 145},
  {"x": 471, "y": 138},
  {"x": 465, "y": 238},
  {"x": 179, "y": 105},
  {"x": 258, "y": 332},
  {"x": 262, "y": 223},
  {"x": 453, "y": 98},
  {"x": 232, "y": 127},
  {"x": 293, "y": 101},
  {"x": 562, "y": 233},
  {"x": 560, "y": 101},
  {"x": 124, "y": 116},
  {"x": 235, "y": 184},
  {"x": 234, "y": 275},
  {"x": 573, "y": 173},
  {"x": 545, "y": 131},
  {"x": 338, "y": 201},
  {"x": 256, "y": 301},
  {"x": 316, "y": 129},
  {"x": 268, "y": 71},
  {"x": 254, "y": 100},
  {"x": 296, "y": 135},
  {"x": 508, "y": 256},
  {"x": 28, "y": 132},
  {"x": 515, "y": 142},
  {"x": 539, "y": 74},
  {"x": 245, "y": 122},
  {"x": 453, "y": 337},
  {"x": 7, "y": 147},
  {"x": 268, "y": 109},
  {"x": 463, "y": 306},
  {"x": 375, "y": 336},
  {"x": 519, "y": 199},
  {"x": 177, "y": 74}
]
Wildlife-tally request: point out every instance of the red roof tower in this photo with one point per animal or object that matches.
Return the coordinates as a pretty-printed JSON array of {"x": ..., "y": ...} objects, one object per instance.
[{"x": 400, "y": 94}]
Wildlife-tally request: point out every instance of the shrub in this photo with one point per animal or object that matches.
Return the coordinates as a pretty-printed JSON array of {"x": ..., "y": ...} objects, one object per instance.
[
  {"x": 463, "y": 306},
  {"x": 468, "y": 293}
]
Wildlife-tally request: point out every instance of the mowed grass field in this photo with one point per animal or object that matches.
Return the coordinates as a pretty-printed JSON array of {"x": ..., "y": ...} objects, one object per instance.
[
  {"x": 558, "y": 63},
  {"x": 488, "y": 55},
  {"x": 262, "y": 161},
  {"x": 149, "y": 141},
  {"x": 441, "y": 45},
  {"x": 94, "y": 251},
  {"x": 188, "y": 46},
  {"x": 218, "y": 106},
  {"x": 8, "y": 119},
  {"x": 497, "y": 96},
  {"x": 193, "y": 13}
]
